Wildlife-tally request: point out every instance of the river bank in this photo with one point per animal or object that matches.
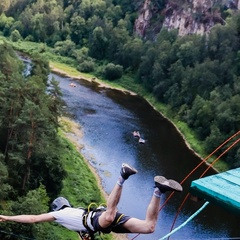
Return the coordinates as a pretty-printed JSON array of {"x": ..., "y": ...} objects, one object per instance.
[
  {"x": 73, "y": 134},
  {"x": 102, "y": 84},
  {"x": 89, "y": 79}
]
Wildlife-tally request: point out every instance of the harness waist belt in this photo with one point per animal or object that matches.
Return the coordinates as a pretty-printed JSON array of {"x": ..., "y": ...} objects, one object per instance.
[{"x": 87, "y": 220}]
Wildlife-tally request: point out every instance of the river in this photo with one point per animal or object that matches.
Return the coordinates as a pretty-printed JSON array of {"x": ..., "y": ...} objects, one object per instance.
[{"x": 108, "y": 117}]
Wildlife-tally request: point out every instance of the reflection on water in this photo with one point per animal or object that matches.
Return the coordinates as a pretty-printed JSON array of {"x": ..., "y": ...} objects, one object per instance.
[{"x": 108, "y": 119}]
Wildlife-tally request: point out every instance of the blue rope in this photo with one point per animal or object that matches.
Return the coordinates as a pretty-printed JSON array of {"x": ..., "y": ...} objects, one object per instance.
[{"x": 188, "y": 220}]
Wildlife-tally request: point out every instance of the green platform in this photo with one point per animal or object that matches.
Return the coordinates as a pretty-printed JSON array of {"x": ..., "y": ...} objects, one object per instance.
[{"x": 222, "y": 189}]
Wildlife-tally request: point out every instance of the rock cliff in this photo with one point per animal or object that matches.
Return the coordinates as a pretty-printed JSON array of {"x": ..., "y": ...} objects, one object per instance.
[{"x": 188, "y": 16}]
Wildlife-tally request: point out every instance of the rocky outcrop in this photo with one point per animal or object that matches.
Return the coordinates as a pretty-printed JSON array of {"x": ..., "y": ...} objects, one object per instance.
[
  {"x": 188, "y": 16},
  {"x": 144, "y": 17}
]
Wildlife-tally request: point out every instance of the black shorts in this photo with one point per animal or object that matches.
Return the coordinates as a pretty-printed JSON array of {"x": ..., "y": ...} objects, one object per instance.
[{"x": 116, "y": 226}]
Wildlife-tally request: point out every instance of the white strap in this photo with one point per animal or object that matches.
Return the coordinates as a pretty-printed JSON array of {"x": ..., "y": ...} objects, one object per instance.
[{"x": 89, "y": 218}]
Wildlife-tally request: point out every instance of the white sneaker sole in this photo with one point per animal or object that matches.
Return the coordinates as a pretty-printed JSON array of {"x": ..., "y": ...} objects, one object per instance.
[{"x": 175, "y": 186}]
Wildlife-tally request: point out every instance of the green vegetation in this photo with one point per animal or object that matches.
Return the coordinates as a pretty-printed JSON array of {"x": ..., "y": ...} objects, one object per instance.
[
  {"x": 37, "y": 163},
  {"x": 32, "y": 172},
  {"x": 80, "y": 185},
  {"x": 193, "y": 80},
  {"x": 127, "y": 81},
  {"x": 195, "y": 77}
]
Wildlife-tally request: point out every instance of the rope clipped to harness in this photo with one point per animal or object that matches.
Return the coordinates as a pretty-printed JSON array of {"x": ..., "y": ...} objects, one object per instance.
[
  {"x": 87, "y": 220},
  {"x": 85, "y": 235}
]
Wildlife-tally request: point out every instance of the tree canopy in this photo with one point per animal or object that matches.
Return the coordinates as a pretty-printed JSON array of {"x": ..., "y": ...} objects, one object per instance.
[
  {"x": 28, "y": 125},
  {"x": 197, "y": 76}
]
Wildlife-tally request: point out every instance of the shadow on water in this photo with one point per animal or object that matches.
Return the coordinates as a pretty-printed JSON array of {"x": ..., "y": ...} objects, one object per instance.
[{"x": 108, "y": 117}]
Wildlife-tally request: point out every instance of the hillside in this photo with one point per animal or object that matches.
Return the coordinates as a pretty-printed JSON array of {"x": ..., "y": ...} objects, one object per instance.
[
  {"x": 189, "y": 17},
  {"x": 184, "y": 53}
]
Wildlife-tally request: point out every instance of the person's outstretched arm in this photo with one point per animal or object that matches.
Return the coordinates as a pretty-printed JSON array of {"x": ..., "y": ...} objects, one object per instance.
[{"x": 45, "y": 217}]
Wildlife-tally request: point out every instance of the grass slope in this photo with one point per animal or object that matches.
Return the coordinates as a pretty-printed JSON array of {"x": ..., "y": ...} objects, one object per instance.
[{"x": 80, "y": 186}]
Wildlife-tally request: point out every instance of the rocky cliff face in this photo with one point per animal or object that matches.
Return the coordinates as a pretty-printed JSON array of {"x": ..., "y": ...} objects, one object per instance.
[{"x": 188, "y": 16}]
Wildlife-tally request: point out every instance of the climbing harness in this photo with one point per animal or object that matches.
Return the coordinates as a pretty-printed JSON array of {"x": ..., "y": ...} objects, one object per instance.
[
  {"x": 85, "y": 235},
  {"x": 88, "y": 221},
  {"x": 88, "y": 216}
]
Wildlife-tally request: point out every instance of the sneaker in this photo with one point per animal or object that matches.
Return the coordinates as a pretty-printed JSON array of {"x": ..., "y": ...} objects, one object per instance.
[
  {"x": 127, "y": 171},
  {"x": 165, "y": 185}
]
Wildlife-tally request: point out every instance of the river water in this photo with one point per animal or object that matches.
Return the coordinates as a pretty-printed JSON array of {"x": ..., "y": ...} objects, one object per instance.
[{"x": 108, "y": 117}]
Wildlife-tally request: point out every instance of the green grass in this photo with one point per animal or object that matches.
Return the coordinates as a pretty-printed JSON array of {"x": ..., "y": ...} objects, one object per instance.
[
  {"x": 80, "y": 186},
  {"x": 69, "y": 70}
]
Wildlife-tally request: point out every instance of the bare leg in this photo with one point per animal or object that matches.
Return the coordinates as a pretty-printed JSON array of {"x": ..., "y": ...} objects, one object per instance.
[
  {"x": 153, "y": 211},
  {"x": 148, "y": 225},
  {"x": 135, "y": 225},
  {"x": 108, "y": 216},
  {"x": 114, "y": 197}
]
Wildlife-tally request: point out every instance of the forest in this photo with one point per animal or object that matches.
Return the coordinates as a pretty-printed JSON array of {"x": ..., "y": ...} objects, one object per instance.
[{"x": 196, "y": 76}]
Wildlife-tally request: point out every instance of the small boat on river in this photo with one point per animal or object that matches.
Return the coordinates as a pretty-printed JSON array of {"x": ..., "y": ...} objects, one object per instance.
[
  {"x": 136, "y": 134},
  {"x": 141, "y": 140},
  {"x": 72, "y": 85}
]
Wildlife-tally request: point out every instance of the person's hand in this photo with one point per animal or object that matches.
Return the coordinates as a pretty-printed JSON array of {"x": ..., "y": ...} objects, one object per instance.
[{"x": 3, "y": 218}]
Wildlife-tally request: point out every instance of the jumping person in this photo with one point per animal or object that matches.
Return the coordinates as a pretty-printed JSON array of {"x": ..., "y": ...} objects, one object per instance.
[{"x": 108, "y": 219}]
